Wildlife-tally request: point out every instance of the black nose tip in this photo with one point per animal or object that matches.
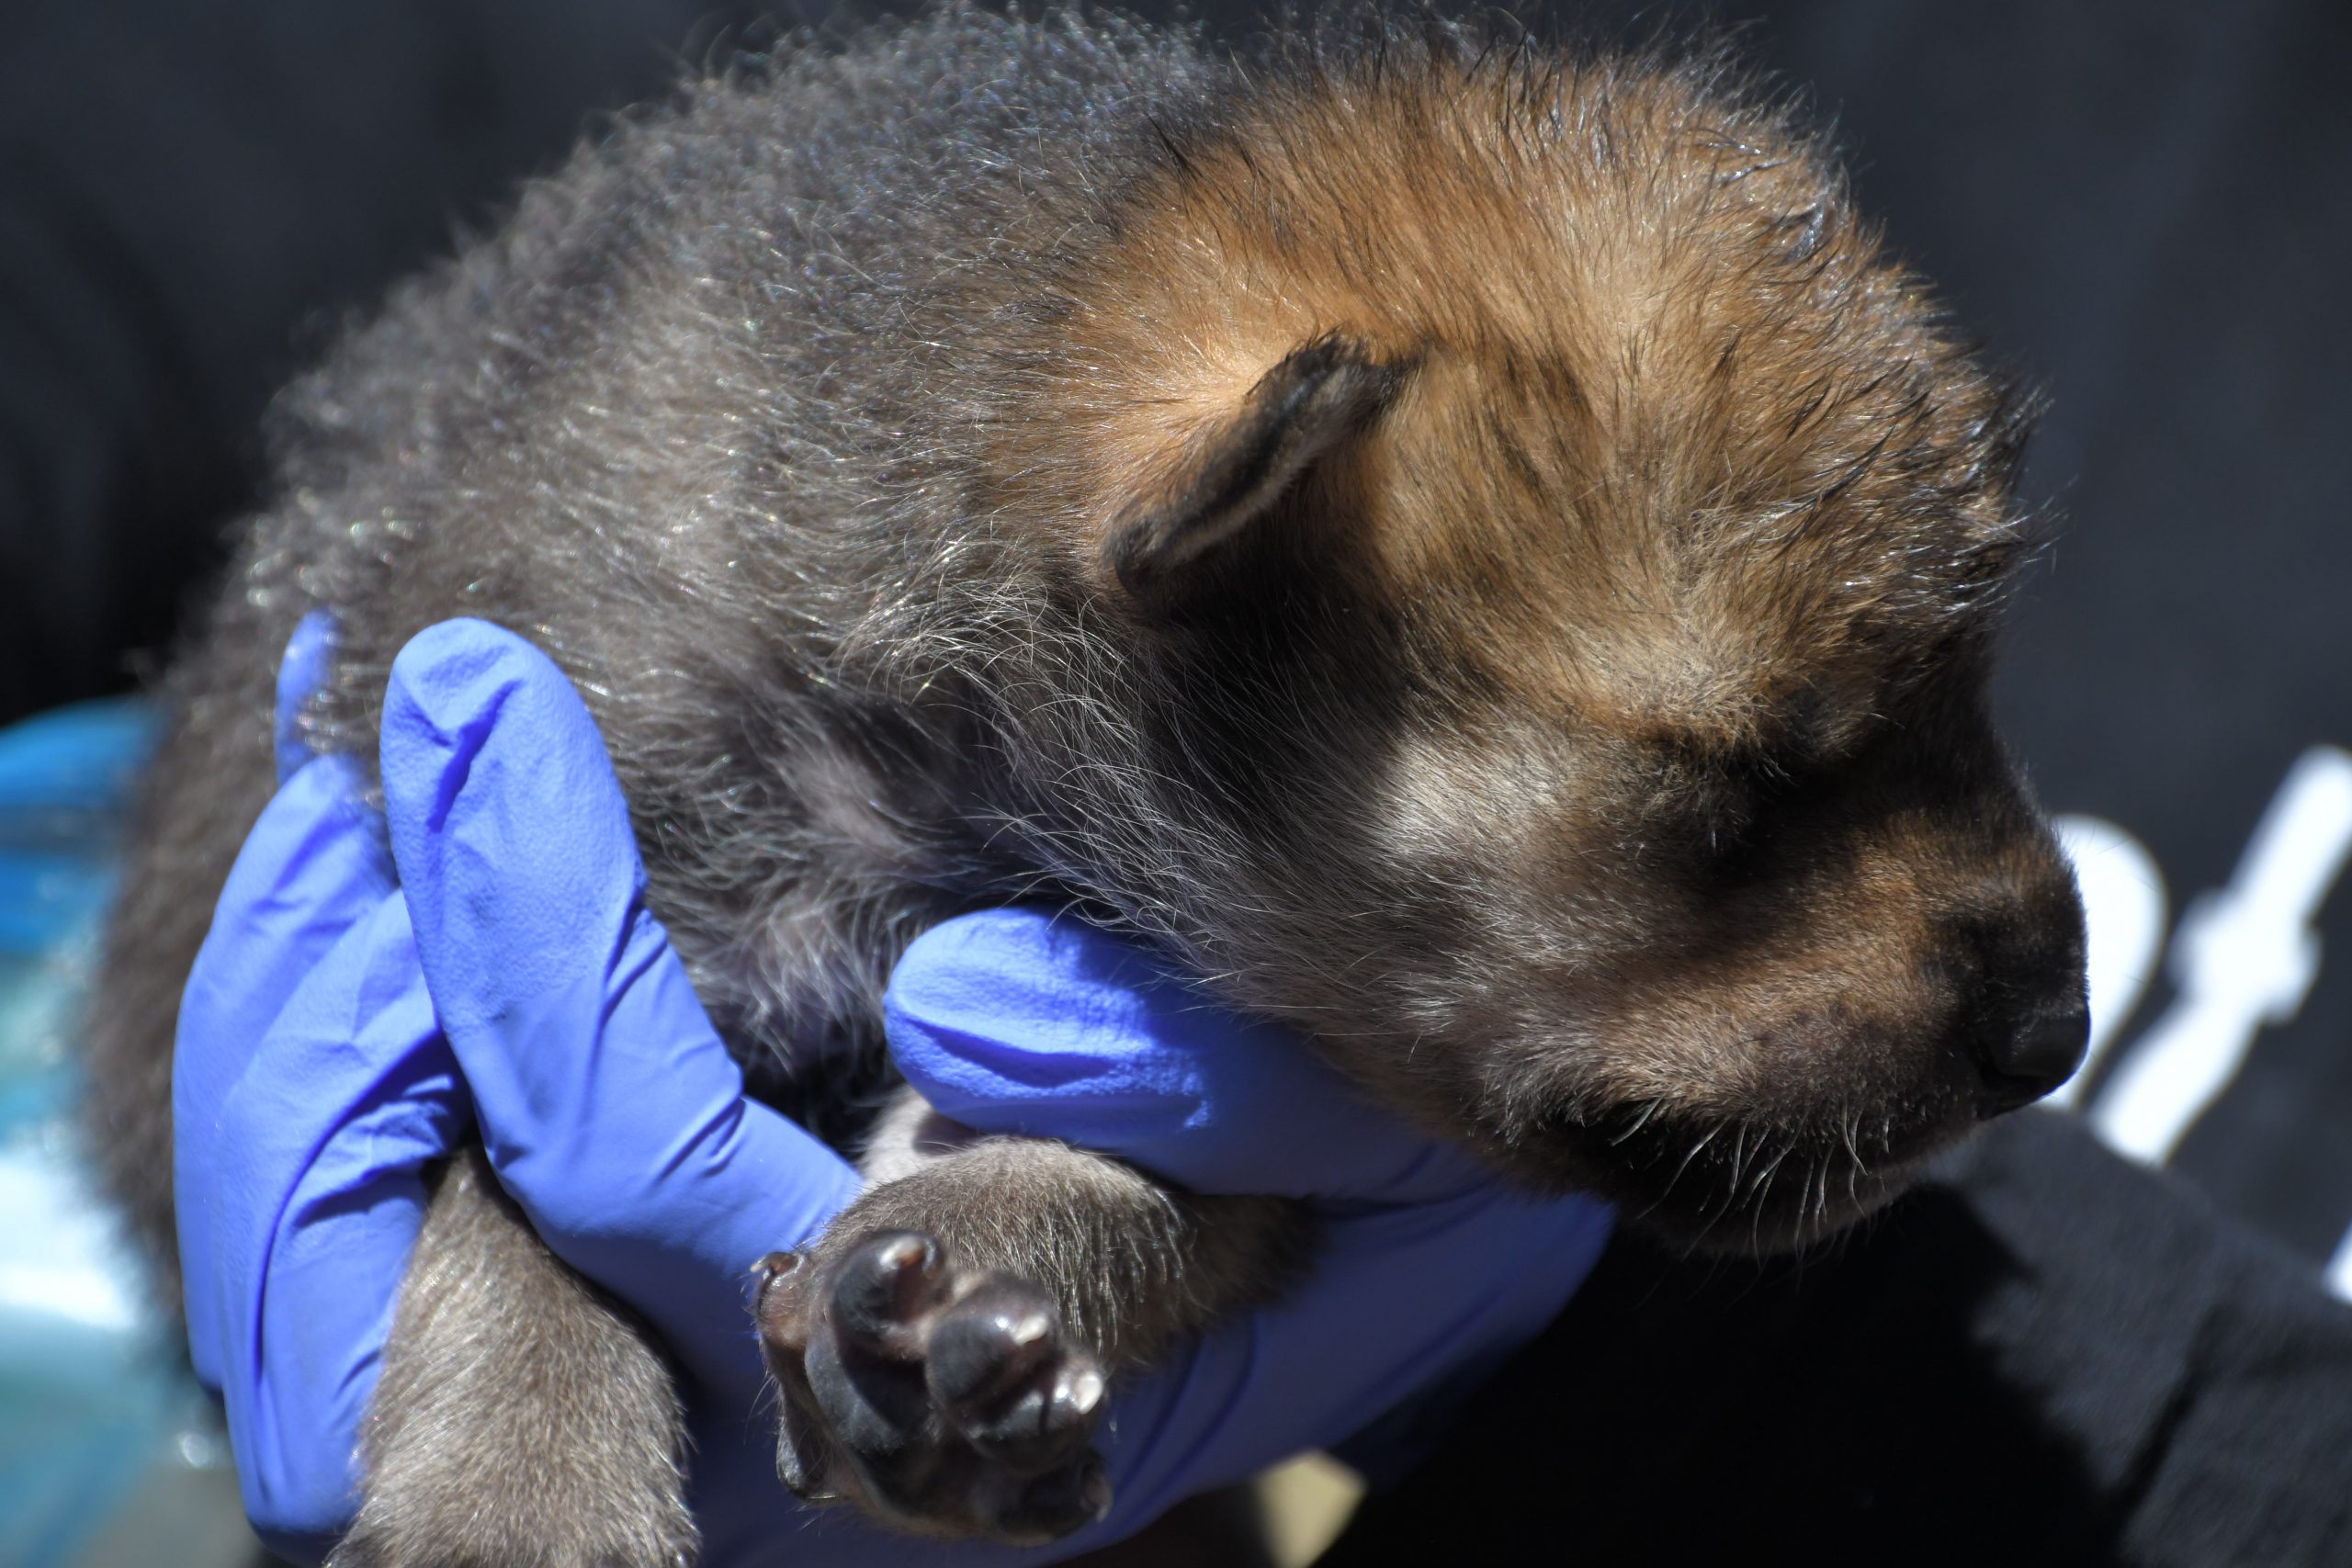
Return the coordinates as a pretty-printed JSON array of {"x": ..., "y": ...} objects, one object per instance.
[{"x": 2027, "y": 1061}]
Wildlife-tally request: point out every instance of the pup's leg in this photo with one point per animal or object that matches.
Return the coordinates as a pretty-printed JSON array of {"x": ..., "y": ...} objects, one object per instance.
[
  {"x": 944, "y": 1348},
  {"x": 520, "y": 1421}
]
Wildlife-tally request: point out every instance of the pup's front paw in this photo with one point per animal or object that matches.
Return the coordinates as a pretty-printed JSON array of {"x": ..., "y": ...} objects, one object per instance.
[{"x": 951, "y": 1401}]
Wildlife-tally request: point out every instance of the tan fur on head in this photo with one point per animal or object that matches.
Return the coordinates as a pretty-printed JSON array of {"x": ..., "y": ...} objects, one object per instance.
[
  {"x": 1684, "y": 514},
  {"x": 1659, "y": 365}
]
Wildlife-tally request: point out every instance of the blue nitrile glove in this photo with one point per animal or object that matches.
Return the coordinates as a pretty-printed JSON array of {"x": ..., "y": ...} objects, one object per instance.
[
  {"x": 327, "y": 1052},
  {"x": 314, "y": 1079}
]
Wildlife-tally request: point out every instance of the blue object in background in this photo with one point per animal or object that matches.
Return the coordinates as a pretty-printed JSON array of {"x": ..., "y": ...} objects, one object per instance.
[
  {"x": 95, "y": 1412},
  {"x": 65, "y": 779}
]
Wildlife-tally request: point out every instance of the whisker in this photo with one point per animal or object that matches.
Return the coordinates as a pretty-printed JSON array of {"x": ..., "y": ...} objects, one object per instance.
[
  {"x": 1637, "y": 1126},
  {"x": 1769, "y": 1170},
  {"x": 1695, "y": 1150}
]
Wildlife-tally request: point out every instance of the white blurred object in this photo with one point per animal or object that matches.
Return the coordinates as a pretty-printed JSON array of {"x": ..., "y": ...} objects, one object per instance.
[
  {"x": 2244, "y": 959},
  {"x": 88, "y": 1394}
]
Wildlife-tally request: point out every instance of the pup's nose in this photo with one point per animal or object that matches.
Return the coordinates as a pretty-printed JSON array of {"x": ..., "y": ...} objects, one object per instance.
[{"x": 2033, "y": 1057}]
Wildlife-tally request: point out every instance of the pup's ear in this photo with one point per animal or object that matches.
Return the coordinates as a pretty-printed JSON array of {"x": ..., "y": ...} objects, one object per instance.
[{"x": 1220, "y": 481}]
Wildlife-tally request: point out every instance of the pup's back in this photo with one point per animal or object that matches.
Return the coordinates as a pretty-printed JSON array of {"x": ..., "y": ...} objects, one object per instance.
[
  {"x": 660, "y": 422},
  {"x": 1475, "y": 549}
]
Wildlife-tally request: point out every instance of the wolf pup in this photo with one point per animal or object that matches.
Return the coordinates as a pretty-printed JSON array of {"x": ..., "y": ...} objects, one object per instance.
[{"x": 1474, "y": 546}]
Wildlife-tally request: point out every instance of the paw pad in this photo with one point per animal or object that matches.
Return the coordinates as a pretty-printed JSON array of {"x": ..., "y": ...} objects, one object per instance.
[{"x": 950, "y": 1400}]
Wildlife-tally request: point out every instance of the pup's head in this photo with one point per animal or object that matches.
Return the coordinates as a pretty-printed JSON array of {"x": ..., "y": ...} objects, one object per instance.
[{"x": 1537, "y": 556}]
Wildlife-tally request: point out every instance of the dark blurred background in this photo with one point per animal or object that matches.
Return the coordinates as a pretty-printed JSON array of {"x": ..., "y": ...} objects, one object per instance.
[{"x": 2141, "y": 206}]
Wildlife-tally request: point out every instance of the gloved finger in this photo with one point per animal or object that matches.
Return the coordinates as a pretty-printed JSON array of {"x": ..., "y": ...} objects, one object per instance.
[
  {"x": 313, "y": 867},
  {"x": 1404, "y": 1303},
  {"x": 1431, "y": 1296},
  {"x": 1018, "y": 1021},
  {"x": 351, "y": 1094},
  {"x": 608, "y": 1104},
  {"x": 301, "y": 672},
  {"x": 313, "y": 862}
]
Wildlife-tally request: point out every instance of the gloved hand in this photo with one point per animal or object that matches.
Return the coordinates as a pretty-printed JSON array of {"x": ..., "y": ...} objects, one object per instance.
[{"x": 348, "y": 1022}]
